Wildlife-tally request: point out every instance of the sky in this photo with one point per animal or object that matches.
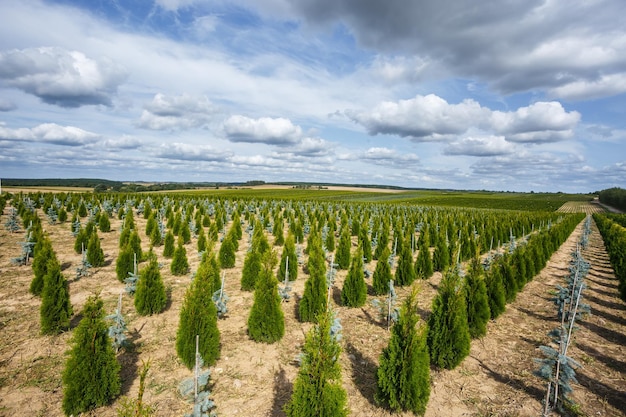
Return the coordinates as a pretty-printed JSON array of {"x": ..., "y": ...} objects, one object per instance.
[{"x": 515, "y": 95}]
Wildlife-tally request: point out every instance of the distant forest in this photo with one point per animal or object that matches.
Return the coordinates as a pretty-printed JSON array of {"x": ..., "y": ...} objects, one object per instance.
[{"x": 614, "y": 197}]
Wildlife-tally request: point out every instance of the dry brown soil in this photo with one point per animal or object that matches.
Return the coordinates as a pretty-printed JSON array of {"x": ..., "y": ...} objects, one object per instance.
[{"x": 252, "y": 379}]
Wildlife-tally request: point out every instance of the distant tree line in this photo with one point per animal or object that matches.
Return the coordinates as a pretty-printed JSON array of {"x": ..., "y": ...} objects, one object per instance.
[{"x": 614, "y": 197}]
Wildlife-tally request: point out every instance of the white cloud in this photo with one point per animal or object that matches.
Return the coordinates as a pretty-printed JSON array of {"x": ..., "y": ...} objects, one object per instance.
[
  {"x": 50, "y": 133},
  {"x": 62, "y": 77},
  {"x": 177, "y": 113},
  {"x": 603, "y": 86},
  {"x": 271, "y": 131},
  {"x": 480, "y": 146},
  {"x": 189, "y": 152},
  {"x": 389, "y": 157},
  {"x": 431, "y": 118},
  {"x": 423, "y": 118}
]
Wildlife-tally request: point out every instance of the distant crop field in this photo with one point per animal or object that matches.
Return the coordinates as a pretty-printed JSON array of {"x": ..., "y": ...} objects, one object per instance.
[{"x": 581, "y": 207}]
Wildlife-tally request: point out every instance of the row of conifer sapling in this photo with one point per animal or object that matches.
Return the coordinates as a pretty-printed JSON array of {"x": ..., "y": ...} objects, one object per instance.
[{"x": 557, "y": 367}]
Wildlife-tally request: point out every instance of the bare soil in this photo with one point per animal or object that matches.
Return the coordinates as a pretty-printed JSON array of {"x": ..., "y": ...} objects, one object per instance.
[{"x": 252, "y": 379}]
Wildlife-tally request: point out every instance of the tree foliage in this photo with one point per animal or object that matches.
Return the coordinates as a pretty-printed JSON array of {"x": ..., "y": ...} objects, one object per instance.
[
  {"x": 317, "y": 391},
  {"x": 198, "y": 316},
  {"x": 56, "y": 309},
  {"x": 313, "y": 300},
  {"x": 403, "y": 377},
  {"x": 354, "y": 292},
  {"x": 448, "y": 332},
  {"x": 150, "y": 295},
  {"x": 92, "y": 374},
  {"x": 266, "y": 322}
]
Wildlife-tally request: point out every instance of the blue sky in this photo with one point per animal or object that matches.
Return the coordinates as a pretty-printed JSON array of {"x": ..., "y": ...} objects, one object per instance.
[{"x": 528, "y": 95}]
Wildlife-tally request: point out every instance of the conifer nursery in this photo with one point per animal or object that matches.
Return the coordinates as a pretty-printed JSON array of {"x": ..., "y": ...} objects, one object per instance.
[{"x": 307, "y": 303}]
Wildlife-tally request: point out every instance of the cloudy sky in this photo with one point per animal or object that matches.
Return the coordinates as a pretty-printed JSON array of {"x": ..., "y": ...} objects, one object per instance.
[{"x": 525, "y": 95}]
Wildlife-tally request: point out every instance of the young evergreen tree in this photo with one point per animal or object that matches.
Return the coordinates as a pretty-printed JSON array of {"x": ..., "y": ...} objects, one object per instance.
[
  {"x": 441, "y": 255},
  {"x": 209, "y": 271},
  {"x": 95, "y": 254},
  {"x": 405, "y": 273},
  {"x": 289, "y": 252},
  {"x": 81, "y": 241},
  {"x": 448, "y": 332},
  {"x": 125, "y": 263},
  {"x": 227, "y": 251},
  {"x": 104, "y": 223},
  {"x": 198, "y": 316},
  {"x": 509, "y": 279},
  {"x": 150, "y": 295},
  {"x": 278, "y": 231},
  {"x": 383, "y": 242},
  {"x": 342, "y": 257},
  {"x": 202, "y": 240},
  {"x": 382, "y": 274},
  {"x": 424, "y": 263},
  {"x": 366, "y": 245},
  {"x": 184, "y": 233},
  {"x": 62, "y": 215},
  {"x": 495, "y": 291},
  {"x": 180, "y": 264},
  {"x": 317, "y": 390},
  {"x": 134, "y": 241},
  {"x": 354, "y": 291},
  {"x": 168, "y": 248},
  {"x": 56, "y": 309},
  {"x": 478, "y": 313},
  {"x": 43, "y": 253},
  {"x": 253, "y": 260},
  {"x": 151, "y": 224},
  {"x": 313, "y": 300},
  {"x": 124, "y": 237},
  {"x": 403, "y": 377},
  {"x": 92, "y": 374},
  {"x": 266, "y": 322},
  {"x": 155, "y": 237}
]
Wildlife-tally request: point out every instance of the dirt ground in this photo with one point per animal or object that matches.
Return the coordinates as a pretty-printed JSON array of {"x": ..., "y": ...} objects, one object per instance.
[{"x": 253, "y": 379}]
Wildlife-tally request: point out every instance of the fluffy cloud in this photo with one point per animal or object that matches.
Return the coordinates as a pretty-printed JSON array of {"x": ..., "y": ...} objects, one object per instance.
[
  {"x": 279, "y": 131},
  {"x": 431, "y": 118},
  {"x": 539, "y": 122},
  {"x": 50, "y": 133},
  {"x": 188, "y": 152},
  {"x": 423, "y": 118},
  {"x": 61, "y": 77},
  {"x": 176, "y": 113},
  {"x": 480, "y": 146},
  {"x": 388, "y": 157}
]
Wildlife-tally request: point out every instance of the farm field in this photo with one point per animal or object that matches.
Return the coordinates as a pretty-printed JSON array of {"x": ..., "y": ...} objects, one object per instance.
[
  {"x": 256, "y": 379},
  {"x": 586, "y": 207}
]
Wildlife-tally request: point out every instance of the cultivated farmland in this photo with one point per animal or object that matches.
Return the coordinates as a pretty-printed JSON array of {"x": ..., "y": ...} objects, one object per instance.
[{"x": 252, "y": 378}]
